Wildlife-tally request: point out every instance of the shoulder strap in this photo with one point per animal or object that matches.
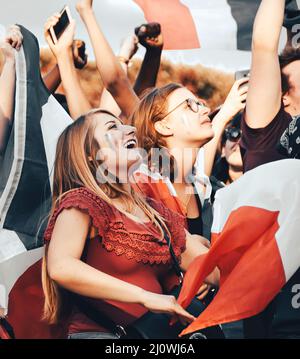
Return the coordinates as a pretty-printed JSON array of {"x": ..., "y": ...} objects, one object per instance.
[{"x": 176, "y": 265}]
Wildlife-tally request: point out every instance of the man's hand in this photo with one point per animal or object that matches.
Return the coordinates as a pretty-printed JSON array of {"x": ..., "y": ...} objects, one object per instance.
[
  {"x": 150, "y": 35},
  {"x": 65, "y": 42}
]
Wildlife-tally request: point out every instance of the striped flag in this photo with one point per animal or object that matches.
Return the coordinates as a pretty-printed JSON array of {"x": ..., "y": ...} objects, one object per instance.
[
  {"x": 213, "y": 24},
  {"x": 255, "y": 244},
  {"x": 25, "y": 193}
]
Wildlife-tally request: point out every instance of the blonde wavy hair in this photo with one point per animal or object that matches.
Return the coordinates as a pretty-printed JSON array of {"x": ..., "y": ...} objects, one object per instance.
[{"x": 76, "y": 166}]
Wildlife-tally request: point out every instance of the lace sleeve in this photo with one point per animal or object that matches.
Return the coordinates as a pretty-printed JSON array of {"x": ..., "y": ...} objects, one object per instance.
[{"x": 86, "y": 201}]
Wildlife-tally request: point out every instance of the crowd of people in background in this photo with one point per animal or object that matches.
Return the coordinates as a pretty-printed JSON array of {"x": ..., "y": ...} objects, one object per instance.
[{"x": 107, "y": 241}]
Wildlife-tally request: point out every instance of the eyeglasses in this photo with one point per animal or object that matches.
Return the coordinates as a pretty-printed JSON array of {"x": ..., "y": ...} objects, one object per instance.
[
  {"x": 192, "y": 104},
  {"x": 233, "y": 134}
]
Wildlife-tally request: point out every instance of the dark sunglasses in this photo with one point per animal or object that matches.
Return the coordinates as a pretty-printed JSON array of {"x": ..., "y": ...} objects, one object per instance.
[{"x": 233, "y": 134}]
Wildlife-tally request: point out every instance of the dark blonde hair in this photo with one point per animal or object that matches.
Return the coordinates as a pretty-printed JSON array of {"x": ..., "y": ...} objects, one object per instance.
[
  {"x": 152, "y": 108},
  {"x": 76, "y": 166}
]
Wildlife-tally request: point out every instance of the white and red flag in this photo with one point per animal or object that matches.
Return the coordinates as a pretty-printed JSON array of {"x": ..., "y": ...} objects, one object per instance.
[
  {"x": 213, "y": 24},
  {"x": 256, "y": 244},
  {"x": 25, "y": 194}
]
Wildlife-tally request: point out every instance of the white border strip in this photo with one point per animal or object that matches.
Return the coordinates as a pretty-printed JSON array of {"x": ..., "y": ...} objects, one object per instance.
[{"x": 19, "y": 136}]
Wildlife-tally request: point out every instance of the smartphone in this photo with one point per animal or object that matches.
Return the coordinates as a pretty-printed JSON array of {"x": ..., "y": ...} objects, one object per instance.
[
  {"x": 242, "y": 74},
  {"x": 64, "y": 21}
]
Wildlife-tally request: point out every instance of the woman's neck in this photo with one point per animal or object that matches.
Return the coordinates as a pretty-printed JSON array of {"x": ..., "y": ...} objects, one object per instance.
[{"x": 185, "y": 160}]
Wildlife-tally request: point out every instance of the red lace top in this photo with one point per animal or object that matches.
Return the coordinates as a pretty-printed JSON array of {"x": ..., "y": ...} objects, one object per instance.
[{"x": 125, "y": 249}]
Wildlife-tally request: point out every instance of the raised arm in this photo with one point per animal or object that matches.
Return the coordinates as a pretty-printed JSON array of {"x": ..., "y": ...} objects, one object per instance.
[
  {"x": 127, "y": 50},
  {"x": 264, "y": 95},
  {"x": 52, "y": 79},
  {"x": 234, "y": 103},
  {"x": 76, "y": 99},
  {"x": 151, "y": 38},
  {"x": 114, "y": 78},
  {"x": 7, "y": 84}
]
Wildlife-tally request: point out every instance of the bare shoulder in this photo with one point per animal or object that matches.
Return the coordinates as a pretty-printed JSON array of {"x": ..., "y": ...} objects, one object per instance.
[{"x": 72, "y": 221}]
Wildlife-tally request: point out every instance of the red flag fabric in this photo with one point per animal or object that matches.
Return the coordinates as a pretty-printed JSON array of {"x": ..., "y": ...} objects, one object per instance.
[
  {"x": 255, "y": 244},
  {"x": 178, "y": 27},
  {"x": 26, "y": 300}
]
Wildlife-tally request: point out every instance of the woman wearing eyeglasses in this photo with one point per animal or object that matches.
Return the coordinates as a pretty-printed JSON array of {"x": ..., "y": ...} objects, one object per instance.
[{"x": 174, "y": 121}]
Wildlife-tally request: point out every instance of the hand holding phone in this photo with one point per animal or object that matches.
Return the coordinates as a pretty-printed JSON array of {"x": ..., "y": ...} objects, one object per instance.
[
  {"x": 64, "y": 21},
  {"x": 65, "y": 41},
  {"x": 236, "y": 99},
  {"x": 244, "y": 74}
]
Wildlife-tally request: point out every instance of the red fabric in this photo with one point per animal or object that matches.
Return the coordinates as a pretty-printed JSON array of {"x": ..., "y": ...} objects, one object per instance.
[
  {"x": 245, "y": 256},
  {"x": 176, "y": 21},
  {"x": 157, "y": 190},
  {"x": 26, "y": 300},
  {"x": 125, "y": 250}
]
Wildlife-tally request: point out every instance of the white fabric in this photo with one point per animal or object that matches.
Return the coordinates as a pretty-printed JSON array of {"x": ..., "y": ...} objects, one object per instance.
[
  {"x": 215, "y": 25},
  {"x": 52, "y": 129},
  {"x": 10, "y": 245}
]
